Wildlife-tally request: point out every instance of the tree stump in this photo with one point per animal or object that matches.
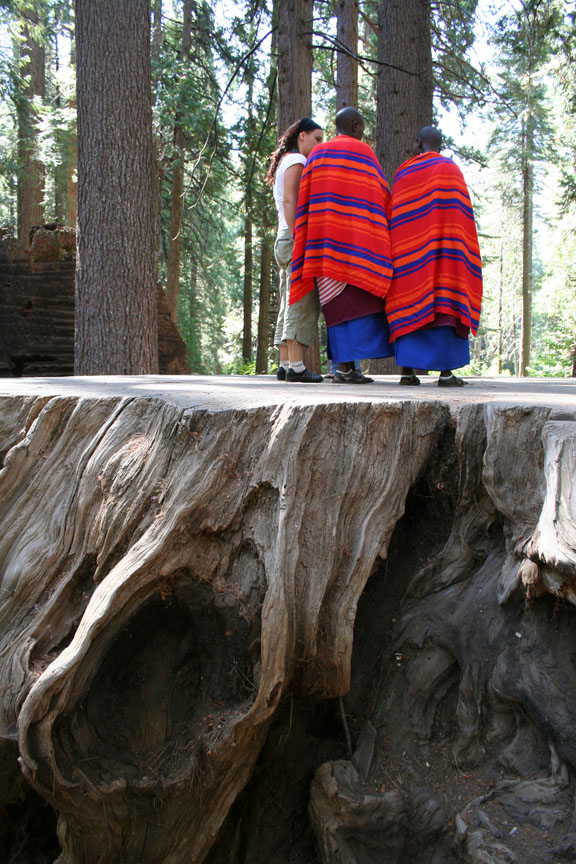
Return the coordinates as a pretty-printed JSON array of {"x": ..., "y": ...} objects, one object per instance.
[{"x": 187, "y": 594}]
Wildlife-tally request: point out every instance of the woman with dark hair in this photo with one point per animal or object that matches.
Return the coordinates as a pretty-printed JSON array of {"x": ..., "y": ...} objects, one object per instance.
[{"x": 296, "y": 325}]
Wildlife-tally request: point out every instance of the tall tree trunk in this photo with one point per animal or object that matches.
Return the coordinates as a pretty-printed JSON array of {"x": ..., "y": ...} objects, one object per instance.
[
  {"x": 248, "y": 272},
  {"x": 72, "y": 153},
  {"x": 404, "y": 97},
  {"x": 264, "y": 310},
  {"x": 500, "y": 296},
  {"x": 116, "y": 319},
  {"x": 194, "y": 340},
  {"x": 178, "y": 180},
  {"x": 31, "y": 169},
  {"x": 347, "y": 65},
  {"x": 295, "y": 88},
  {"x": 527, "y": 244},
  {"x": 265, "y": 340},
  {"x": 294, "y": 61},
  {"x": 404, "y": 93}
]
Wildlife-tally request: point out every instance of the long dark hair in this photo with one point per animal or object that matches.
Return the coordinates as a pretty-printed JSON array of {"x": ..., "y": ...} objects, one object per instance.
[{"x": 287, "y": 143}]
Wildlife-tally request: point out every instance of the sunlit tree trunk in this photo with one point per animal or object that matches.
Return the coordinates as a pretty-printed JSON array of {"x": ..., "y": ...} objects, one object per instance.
[{"x": 116, "y": 306}]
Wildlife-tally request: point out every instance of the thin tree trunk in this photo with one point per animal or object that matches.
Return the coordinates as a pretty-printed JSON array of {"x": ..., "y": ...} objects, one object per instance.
[
  {"x": 31, "y": 169},
  {"x": 347, "y": 65},
  {"x": 248, "y": 271},
  {"x": 71, "y": 169},
  {"x": 60, "y": 178},
  {"x": 194, "y": 340},
  {"x": 527, "y": 256},
  {"x": 72, "y": 153},
  {"x": 156, "y": 37},
  {"x": 264, "y": 310},
  {"x": 116, "y": 317},
  {"x": 500, "y": 294},
  {"x": 178, "y": 181}
]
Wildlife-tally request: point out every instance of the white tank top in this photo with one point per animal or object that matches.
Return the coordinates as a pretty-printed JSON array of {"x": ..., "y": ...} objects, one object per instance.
[{"x": 287, "y": 161}]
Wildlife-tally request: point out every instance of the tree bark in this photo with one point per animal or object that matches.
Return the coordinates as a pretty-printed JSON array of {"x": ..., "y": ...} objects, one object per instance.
[
  {"x": 173, "y": 266},
  {"x": 404, "y": 93},
  {"x": 347, "y": 65},
  {"x": 31, "y": 170},
  {"x": 116, "y": 323},
  {"x": 294, "y": 62}
]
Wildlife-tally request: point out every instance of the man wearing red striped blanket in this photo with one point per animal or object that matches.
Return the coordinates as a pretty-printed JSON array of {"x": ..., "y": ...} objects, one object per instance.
[
  {"x": 342, "y": 245},
  {"x": 434, "y": 301}
]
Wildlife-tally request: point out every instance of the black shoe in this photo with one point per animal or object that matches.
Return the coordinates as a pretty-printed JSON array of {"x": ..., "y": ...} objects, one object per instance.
[
  {"x": 452, "y": 381},
  {"x": 281, "y": 373},
  {"x": 409, "y": 380},
  {"x": 305, "y": 377},
  {"x": 352, "y": 377}
]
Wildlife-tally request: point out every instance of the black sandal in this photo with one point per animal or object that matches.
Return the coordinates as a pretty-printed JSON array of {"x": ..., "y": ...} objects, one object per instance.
[
  {"x": 352, "y": 377},
  {"x": 409, "y": 380}
]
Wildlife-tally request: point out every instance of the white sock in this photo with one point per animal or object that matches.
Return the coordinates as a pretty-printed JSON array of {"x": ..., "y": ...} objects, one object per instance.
[
  {"x": 297, "y": 367},
  {"x": 285, "y": 364}
]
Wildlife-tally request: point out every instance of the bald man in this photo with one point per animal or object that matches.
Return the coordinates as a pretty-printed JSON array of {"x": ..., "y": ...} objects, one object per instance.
[
  {"x": 434, "y": 301},
  {"x": 342, "y": 245}
]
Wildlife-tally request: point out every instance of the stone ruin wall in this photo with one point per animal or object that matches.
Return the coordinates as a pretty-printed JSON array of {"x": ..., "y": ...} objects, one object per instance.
[{"x": 37, "y": 308}]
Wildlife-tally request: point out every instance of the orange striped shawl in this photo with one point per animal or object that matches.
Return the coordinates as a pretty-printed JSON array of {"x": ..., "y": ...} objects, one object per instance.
[
  {"x": 341, "y": 228},
  {"x": 437, "y": 266}
]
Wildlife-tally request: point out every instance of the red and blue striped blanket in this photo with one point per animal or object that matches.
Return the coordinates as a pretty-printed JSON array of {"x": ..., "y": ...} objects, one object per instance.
[
  {"x": 341, "y": 228},
  {"x": 437, "y": 265}
]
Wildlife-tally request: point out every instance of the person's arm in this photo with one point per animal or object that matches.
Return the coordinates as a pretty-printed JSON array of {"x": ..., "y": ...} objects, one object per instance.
[{"x": 292, "y": 177}]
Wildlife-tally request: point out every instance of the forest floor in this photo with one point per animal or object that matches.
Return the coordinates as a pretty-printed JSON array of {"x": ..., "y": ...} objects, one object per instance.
[{"x": 224, "y": 392}]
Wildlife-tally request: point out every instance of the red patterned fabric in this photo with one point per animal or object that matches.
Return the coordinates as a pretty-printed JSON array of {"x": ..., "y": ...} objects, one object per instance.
[
  {"x": 341, "y": 228},
  {"x": 437, "y": 265}
]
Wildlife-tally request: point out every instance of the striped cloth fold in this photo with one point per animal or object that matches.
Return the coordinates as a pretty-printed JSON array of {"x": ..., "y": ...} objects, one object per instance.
[
  {"x": 341, "y": 230},
  {"x": 437, "y": 265},
  {"x": 328, "y": 289}
]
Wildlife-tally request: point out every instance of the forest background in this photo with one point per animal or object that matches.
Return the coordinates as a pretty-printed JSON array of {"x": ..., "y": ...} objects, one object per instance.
[{"x": 503, "y": 90}]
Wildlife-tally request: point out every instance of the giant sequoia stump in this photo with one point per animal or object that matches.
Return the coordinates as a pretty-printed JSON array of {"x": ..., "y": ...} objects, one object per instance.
[{"x": 220, "y": 610}]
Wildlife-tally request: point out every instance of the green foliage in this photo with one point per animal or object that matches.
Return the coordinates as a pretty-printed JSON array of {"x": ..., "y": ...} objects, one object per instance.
[{"x": 240, "y": 367}]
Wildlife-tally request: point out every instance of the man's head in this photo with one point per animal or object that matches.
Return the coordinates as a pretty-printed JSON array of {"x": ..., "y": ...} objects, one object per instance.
[
  {"x": 349, "y": 121},
  {"x": 428, "y": 138}
]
